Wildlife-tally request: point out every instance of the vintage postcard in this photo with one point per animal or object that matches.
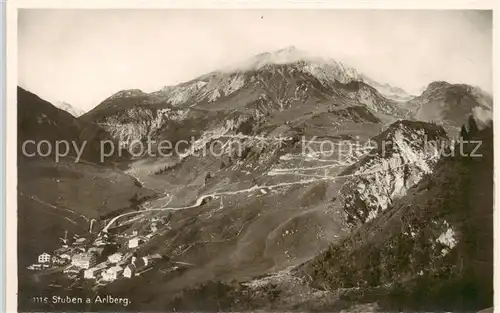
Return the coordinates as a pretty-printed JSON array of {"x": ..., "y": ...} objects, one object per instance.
[{"x": 250, "y": 157}]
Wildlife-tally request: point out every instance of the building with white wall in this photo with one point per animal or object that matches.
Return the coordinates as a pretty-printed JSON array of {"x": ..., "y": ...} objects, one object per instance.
[{"x": 44, "y": 258}]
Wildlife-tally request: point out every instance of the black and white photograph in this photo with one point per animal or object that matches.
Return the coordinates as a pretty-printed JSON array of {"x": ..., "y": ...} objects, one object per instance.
[{"x": 254, "y": 159}]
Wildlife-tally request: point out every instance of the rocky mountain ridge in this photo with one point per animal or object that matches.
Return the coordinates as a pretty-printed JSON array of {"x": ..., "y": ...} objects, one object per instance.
[
  {"x": 289, "y": 222},
  {"x": 282, "y": 83},
  {"x": 405, "y": 152}
]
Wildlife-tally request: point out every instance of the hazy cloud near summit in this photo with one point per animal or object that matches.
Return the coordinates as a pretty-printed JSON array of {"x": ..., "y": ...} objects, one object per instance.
[{"x": 83, "y": 56}]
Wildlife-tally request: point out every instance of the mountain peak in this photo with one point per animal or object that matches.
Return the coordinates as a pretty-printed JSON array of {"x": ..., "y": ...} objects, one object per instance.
[{"x": 326, "y": 68}]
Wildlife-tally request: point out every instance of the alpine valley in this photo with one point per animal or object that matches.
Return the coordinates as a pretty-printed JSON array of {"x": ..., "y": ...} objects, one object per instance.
[{"x": 381, "y": 221}]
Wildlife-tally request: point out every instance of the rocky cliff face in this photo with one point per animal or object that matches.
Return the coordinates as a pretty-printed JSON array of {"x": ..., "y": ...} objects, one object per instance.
[
  {"x": 404, "y": 153},
  {"x": 138, "y": 123}
]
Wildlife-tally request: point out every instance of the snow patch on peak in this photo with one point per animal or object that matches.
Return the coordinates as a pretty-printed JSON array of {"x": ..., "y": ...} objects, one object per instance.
[{"x": 76, "y": 112}]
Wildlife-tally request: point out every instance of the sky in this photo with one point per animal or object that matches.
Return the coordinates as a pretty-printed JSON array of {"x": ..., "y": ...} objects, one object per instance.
[{"x": 82, "y": 56}]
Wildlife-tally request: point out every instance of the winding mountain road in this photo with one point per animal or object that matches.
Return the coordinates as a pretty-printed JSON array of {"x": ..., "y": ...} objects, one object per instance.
[{"x": 200, "y": 199}]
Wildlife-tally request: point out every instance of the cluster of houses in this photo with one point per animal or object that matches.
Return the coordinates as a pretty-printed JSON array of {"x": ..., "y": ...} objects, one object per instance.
[
  {"x": 100, "y": 260},
  {"x": 127, "y": 269},
  {"x": 115, "y": 266},
  {"x": 61, "y": 256}
]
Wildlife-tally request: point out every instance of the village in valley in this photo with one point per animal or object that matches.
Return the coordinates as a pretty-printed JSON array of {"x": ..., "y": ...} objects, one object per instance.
[{"x": 105, "y": 257}]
